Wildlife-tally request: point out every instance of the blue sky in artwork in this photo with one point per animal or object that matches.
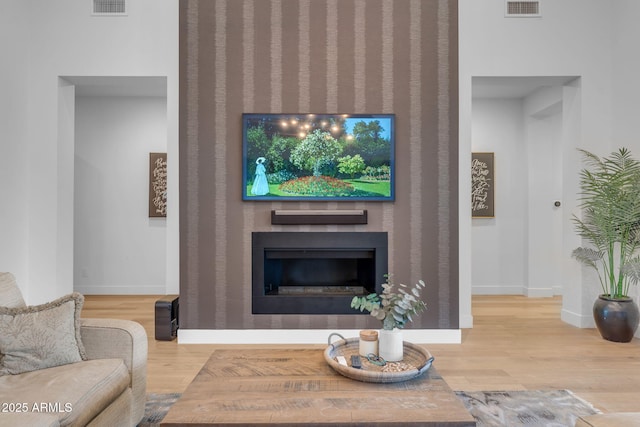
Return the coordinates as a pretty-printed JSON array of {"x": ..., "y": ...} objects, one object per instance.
[{"x": 384, "y": 122}]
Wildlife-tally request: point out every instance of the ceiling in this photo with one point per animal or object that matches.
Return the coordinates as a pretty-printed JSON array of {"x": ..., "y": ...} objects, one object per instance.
[{"x": 514, "y": 87}]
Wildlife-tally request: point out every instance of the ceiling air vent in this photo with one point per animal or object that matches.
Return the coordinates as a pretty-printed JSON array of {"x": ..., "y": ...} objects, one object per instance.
[
  {"x": 109, "y": 7},
  {"x": 522, "y": 9}
]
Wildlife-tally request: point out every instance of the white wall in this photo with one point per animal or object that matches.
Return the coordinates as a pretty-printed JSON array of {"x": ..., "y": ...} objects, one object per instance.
[
  {"x": 544, "y": 137},
  {"x": 519, "y": 251},
  {"x": 13, "y": 147},
  {"x": 626, "y": 84},
  {"x": 558, "y": 44},
  {"x": 499, "y": 247},
  {"x": 626, "y": 87},
  {"x": 62, "y": 39},
  {"x": 118, "y": 249}
]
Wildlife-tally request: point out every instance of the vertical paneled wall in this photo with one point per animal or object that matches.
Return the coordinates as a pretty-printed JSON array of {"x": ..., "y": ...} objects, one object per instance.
[{"x": 316, "y": 56}]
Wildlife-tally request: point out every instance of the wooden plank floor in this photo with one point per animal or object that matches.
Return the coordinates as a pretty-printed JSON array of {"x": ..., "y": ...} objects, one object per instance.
[{"x": 517, "y": 343}]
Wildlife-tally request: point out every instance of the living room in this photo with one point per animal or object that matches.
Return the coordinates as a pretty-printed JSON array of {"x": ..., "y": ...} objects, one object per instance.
[
  {"x": 588, "y": 41},
  {"x": 38, "y": 246}
]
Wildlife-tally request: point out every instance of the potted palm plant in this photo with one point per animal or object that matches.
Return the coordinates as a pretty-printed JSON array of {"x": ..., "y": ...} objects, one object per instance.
[
  {"x": 395, "y": 308},
  {"x": 610, "y": 223}
]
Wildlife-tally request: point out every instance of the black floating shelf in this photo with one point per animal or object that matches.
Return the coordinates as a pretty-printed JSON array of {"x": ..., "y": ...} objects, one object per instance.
[{"x": 318, "y": 217}]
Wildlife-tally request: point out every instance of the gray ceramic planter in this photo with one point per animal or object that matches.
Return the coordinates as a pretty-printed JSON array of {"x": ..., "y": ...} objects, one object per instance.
[{"x": 616, "y": 319}]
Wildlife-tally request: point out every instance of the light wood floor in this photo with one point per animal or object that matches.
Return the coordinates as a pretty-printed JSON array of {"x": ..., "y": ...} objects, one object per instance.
[{"x": 517, "y": 343}]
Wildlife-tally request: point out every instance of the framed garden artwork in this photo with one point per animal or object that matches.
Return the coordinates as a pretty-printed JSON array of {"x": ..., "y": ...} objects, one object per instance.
[
  {"x": 348, "y": 157},
  {"x": 482, "y": 185}
]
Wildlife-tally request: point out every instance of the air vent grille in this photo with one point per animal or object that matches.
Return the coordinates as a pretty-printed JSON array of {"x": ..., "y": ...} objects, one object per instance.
[
  {"x": 522, "y": 9},
  {"x": 110, "y": 7}
]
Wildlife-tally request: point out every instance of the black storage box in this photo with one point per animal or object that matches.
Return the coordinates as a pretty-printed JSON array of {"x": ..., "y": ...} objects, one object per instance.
[{"x": 167, "y": 309}]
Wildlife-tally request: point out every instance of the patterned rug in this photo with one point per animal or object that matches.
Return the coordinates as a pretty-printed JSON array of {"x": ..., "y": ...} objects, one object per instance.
[
  {"x": 156, "y": 408},
  {"x": 531, "y": 408}
]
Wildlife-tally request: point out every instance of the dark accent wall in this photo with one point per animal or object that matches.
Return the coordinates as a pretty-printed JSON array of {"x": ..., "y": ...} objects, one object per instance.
[{"x": 316, "y": 56}]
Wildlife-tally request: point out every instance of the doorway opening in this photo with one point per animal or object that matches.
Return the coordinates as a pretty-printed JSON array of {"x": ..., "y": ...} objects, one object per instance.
[
  {"x": 529, "y": 123},
  {"x": 110, "y": 125}
]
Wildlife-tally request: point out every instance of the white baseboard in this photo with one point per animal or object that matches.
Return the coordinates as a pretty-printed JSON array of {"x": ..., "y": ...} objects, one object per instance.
[
  {"x": 497, "y": 290},
  {"x": 577, "y": 320},
  {"x": 121, "y": 290},
  {"x": 515, "y": 290},
  {"x": 539, "y": 292},
  {"x": 466, "y": 321},
  {"x": 305, "y": 336}
]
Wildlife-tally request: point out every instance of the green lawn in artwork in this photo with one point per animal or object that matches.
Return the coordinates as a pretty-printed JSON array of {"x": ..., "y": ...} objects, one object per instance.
[{"x": 345, "y": 188}]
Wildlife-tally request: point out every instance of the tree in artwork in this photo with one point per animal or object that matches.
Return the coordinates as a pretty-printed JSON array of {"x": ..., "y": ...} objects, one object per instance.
[{"x": 317, "y": 149}]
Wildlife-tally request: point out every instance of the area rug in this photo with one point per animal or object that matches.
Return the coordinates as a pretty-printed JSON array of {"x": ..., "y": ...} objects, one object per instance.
[
  {"x": 530, "y": 408},
  {"x": 539, "y": 408},
  {"x": 156, "y": 408}
]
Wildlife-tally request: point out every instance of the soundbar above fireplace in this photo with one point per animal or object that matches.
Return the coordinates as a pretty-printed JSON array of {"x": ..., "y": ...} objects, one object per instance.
[{"x": 315, "y": 272}]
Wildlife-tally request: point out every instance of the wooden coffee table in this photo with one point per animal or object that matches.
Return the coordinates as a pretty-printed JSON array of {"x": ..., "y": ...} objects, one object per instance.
[{"x": 293, "y": 387}]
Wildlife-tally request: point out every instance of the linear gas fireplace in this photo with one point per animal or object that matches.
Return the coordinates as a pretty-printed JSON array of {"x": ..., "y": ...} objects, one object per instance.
[{"x": 315, "y": 272}]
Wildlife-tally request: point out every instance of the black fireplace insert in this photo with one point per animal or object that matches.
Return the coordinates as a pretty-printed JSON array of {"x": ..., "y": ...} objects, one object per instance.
[{"x": 315, "y": 272}]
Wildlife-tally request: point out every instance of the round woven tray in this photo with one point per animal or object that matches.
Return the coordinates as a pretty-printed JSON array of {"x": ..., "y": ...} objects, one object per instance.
[{"x": 414, "y": 355}]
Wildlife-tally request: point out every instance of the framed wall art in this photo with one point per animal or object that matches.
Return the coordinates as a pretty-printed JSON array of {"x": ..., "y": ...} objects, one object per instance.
[
  {"x": 347, "y": 157},
  {"x": 157, "y": 185},
  {"x": 482, "y": 185}
]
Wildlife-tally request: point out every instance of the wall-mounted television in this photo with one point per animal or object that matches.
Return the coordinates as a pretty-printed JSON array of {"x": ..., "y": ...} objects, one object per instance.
[{"x": 318, "y": 157}]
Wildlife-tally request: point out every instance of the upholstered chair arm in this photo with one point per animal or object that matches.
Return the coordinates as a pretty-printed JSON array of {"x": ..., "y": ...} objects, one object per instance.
[{"x": 120, "y": 339}]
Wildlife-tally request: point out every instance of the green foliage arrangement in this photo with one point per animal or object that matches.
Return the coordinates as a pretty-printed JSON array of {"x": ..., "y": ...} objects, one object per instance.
[
  {"x": 393, "y": 308},
  {"x": 316, "y": 150},
  {"x": 370, "y": 143},
  {"x": 351, "y": 165},
  {"x": 380, "y": 173},
  {"x": 610, "y": 190},
  {"x": 279, "y": 152}
]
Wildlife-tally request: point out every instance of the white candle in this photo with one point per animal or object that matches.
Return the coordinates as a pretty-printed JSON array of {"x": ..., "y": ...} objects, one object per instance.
[{"x": 368, "y": 342}]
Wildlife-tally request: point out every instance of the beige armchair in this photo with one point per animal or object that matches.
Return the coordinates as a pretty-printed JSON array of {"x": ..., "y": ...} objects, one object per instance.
[{"x": 107, "y": 388}]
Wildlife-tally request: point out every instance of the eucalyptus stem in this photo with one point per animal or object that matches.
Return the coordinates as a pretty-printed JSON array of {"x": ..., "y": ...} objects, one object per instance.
[
  {"x": 388, "y": 323},
  {"x": 396, "y": 306}
]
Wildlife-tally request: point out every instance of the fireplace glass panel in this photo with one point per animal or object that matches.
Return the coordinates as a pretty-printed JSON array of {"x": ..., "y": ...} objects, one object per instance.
[{"x": 319, "y": 273}]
